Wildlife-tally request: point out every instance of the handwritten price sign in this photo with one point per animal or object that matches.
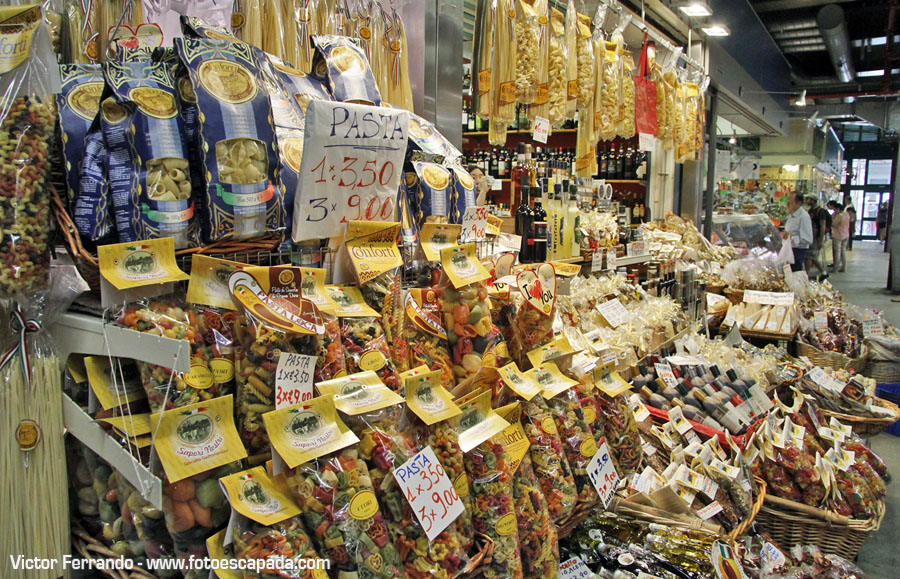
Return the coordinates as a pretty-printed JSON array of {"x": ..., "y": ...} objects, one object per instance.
[
  {"x": 351, "y": 167},
  {"x": 603, "y": 475},
  {"x": 474, "y": 224},
  {"x": 294, "y": 379},
  {"x": 429, "y": 491}
]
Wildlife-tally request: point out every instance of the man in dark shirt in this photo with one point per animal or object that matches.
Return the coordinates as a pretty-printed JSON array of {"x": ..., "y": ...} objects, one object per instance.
[{"x": 821, "y": 224}]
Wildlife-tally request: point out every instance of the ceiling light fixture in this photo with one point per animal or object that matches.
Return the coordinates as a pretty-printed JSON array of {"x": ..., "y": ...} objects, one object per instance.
[
  {"x": 732, "y": 141},
  {"x": 695, "y": 9},
  {"x": 801, "y": 100},
  {"x": 716, "y": 30}
]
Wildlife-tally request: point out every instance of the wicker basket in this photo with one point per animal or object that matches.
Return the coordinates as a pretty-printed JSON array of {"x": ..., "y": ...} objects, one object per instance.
[
  {"x": 868, "y": 425},
  {"x": 736, "y": 296},
  {"x": 650, "y": 514},
  {"x": 791, "y": 523},
  {"x": 754, "y": 511},
  {"x": 833, "y": 360},
  {"x": 883, "y": 372}
]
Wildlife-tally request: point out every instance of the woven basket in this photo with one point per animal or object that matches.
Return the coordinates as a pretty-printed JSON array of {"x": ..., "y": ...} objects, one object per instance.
[
  {"x": 833, "y": 360},
  {"x": 650, "y": 514},
  {"x": 754, "y": 511},
  {"x": 89, "y": 266},
  {"x": 736, "y": 296},
  {"x": 715, "y": 288},
  {"x": 883, "y": 372},
  {"x": 790, "y": 523},
  {"x": 868, "y": 425}
]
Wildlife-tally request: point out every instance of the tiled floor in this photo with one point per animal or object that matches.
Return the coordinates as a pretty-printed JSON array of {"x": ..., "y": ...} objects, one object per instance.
[{"x": 863, "y": 284}]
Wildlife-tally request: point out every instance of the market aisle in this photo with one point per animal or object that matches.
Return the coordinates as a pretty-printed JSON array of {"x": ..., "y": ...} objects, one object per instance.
[{"x": 863, "y": 284}]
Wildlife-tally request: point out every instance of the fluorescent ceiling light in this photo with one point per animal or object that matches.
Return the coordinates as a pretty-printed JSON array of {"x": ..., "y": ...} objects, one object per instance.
[
  {"x": 879, "y": 72},
  {"x": 801, "y": 100},
  {"x": 696, "y": 9},
  {"x": 716, "y": 30}
]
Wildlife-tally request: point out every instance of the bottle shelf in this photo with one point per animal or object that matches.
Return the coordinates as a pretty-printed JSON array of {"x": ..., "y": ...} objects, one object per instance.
[{"x": 517, "y": 132}]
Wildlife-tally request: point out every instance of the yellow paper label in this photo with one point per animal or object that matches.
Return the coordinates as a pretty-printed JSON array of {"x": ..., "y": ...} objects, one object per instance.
[
  {"x": 372, "y": 361},
  {"x": 555, "y": 349},
  {"x": 421, "y": 369},
  {"x": 312, "y": 288},
  {"x": 519, "y": 382},
  {"x": 566, "y": 269},
  {"x": 200, "y": 376},
  {"x": 373, "y": 248},
  {"x": 259, "y": 497},
  {"x": 551, "y": 379},
  {"x": 424, "y": 312},
  {"x": 99, "y": 376},
  {"x": 17, "y": 25},
  {"x": 494, "y": 224},
  {"x": 435, "y": 237},
  {"x": 215, "y": 546},
  {"x": 197, "y": 438},
  {"x": 507, "y": 93},
  {"x": 506, "y": 525},
  {"x": 140, "y": 263},
  {"x": 590, "y": 414},
  {"x": 513, "y": 438},
  {"x": 588, "y": 447},
  {"x": 548, "y": 425},
  {"x": 301, "y": 433},
  {"x": 363, "y": 505},
  {"x": 209, "y": 281},
  {"x": 349, "y": 302},
  {"x": 273, "y": 295},
  {"x": 428, "y": 399},
  {"x": 222, "y": 370},
  {"x": 484, "y": 81},
  {"x": 543, "y": 94},
  {"x": 132, "y": 426},
  {"x": 358, "y": 393},
  {"x": 609, "y": 381},
  {"x": 462, "y": 266},
  {"x": 75, "y": 366},
  {"x": 461, "y": 484},
  {"x": 479, "y": 422},
  {"x": 572, "y": 89}
]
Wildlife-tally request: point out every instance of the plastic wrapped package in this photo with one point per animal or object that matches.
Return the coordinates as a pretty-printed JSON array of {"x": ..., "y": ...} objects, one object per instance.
[
  {"x": 548, "y": 457},
  {"x": 621, "y": 431},
  {"x": 106, "y": 488},
  {"x": 482, "y": 61},
  {"x": 585, "y": 58},
  {"x": 577, "y": 438},
  {"x": 571, "y": 39},
  {"x": 503, "y": 71},
  {"x": 527, "y": 45},
  {"x": 626, "y": 124},
  {"x": 541, "y": 105},
  {"x": 557, "y": 68},
  {"x": 425, "y": 335},
  {"x": 533, "y": 312},
  {"x": 382, "y": 293},
  {"x": 669, "y": 81},
  {"x": 143, "y": 525},
  {"x": 662, "y": 120},
  {"x": 609, "y": 103}
]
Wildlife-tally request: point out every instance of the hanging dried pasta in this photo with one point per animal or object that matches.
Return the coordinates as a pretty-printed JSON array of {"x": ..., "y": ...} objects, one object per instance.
[
  {"x": 399, "y": 90},
  {"x": 481, "y": 61},
  {"x": 586, "y": 146},
  {"x": 669, "y": 82},
  {"x": 691, "y": 107},
  {"x": 679, "y": 125},
  {"x": 129, "y": 12},
  {"x": 609, "y": 105},
  {"x": 571, "y": 59},
  {"x": 527, "y": 44},
  {"x": 557, "y": 68},
  {"x": 81, "y": 28},
  {"x": 503, "y": 67},
  {"x": 662, "y": 120},
  {"x": 291, "y": 52},
  {"x": 251, "y": 28},
  {"x": 598, "y": 46},
  {"x": 626, "y": 107},
  {"x": 541, "y": 106},
  {"x": 585, "y": 48},
  {"x": 304, "y": 20},
  {"x": 272, "y": 41}
]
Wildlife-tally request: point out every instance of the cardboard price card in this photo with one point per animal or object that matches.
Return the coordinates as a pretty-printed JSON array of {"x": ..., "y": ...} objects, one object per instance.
[
  {"x": 294, "y": 379},
  {"x": 429, "y": 491},
  {"x": 603, "y": 475},
  {"x": 613, "y": 312},
  {"x": 351, "y": 166},
  {"x": 474, "y": 224}
]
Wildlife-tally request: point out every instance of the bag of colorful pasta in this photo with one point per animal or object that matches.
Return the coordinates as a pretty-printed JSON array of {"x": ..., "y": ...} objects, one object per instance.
[
  {"x": 148, "y": 171},
  {"x": 239, "y": 199},
  {"x": 267, "y": 524},
  {"x": 616, "y": 418},
  {"x": 277, "y": 324},
  {"x": 538, "y": 541},
  {"x": 333, "y": 487},
  {"x": 466, "y": 312},
  {"x": 490, "y": 476},
  {"x": 427, "y": 421},
  {"x": 533, "y": 305},
  {"x": 424, "y": 332},
  {"x": 143, "y": 525},
  {"x": 547, "y": 454},
  {"x": 196, "y": 445}
]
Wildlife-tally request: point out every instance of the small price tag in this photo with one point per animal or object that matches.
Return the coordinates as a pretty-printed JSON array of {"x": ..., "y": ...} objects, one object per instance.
[
  {"x": 494, "y": 224},
  {"x": 611, "y": 259},
  {"x": 429, "y": 491},
  {"x": 664, "y": 371},
  {"x": 646, "y": 142},
  {"x": 636, "y": 248},
  {"x": 597, "y": 261},
  {"x": 873, "y": 326},
  {"x": 293, "y": 379},
  {"x": 676, "y": 416},
  {"x": 496, "y": 185},
  {"x": 574, "y": 568},
  {"x": 608, "y": 356},
  {"x": 709, "y": 511},
  {"x": 603, "y": 475},
  {"x": 820, "y": 320},
  {"x": 474, "y": 224},
  {"x": 541, "y": 129},
  {"x": 637, "y": 408},
  {"x": 613, "y": 312}
]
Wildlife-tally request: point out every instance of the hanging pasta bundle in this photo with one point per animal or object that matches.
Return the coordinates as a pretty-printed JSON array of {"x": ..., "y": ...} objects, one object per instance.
[
  {"x": 626, "y": 108},
  {"x": 586, "y": 146},
  {"x": 669, "y": 82},
  {"x": 679, "y": 125},
  {"x": 571, "y": 59},
  {"x": 599, "y": 51},
  {"x": 81, "y": 27},
  {"x": 609, "y": 96},
  {"x": 691, "y": 108},
  {"x": 541, "y": 106},
  {"x": 251, "y": 30},
  {"x": 557, "y": 68},
  {"x": 326, "y": 16},
  {"x": 273, "y": 27},
  {"x": 503, "y": 68},
  {"x": 527, "y": 45},
  {"x": 585, "y": 48},
  {"x": 303, "y": 17},
  {"x": 482, "y": 59},
  {"x": 290, "y": 51},
  {"x": 662, "y": 120},
  {"x": 399, "y": 91},
  {"x": 112, "y": 13}
]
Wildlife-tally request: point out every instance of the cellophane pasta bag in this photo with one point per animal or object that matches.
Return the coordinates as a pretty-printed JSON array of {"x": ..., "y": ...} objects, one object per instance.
[
  {"x": 503, "y": 70},
  {"x": 620, "y": 429},
  {"x": 557, "y": 67},
  {"x": 548, "y": 457},
  {"x": 424, "y": 332},
  {"x": 91, "y": 207},
  {"x": 148, "y": 168},
  {"x": 143, "y": 525},
  {"x": 585, "y": 49},
  {"x": 239, "y": 199},
  {"x": 626, "y": 124},
  {"x": 608, "y": 110},
  {"x": 78, "y": 104},
  {"x": 571, "y": 36},
  {"x": 527, "y": 45},
  {"x": 541, "y": 105},
  {"x": 662, "y": 120},
  {"x": 533, "y": 312},
  {"x": 339, "y": 62},
  {"x": 28, "y": 78}
]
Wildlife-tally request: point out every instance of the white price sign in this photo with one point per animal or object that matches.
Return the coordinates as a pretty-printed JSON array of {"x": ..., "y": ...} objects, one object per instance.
[
  {"x": 613, "y": 312},
  {"x": 294, "y": 379},
  {"x": 351, "y": 167},
  {"x": 541, "y": 129},
  {"x": 873, "y": 326},
  {"x": 474, "y": 224},
  {"x": 820, "y": 320},
  {"x": 603, "y": 475},
  {"x": 429, "y": 491},
  {"x": 636, "y": 248},
  {"x": 664, "y": 371},
  {"x": 611, "y": 259},
  {"x": 646, "y": 142},
  {"x": 574, "y": 568},
  {"x": 597, "y": 261}
]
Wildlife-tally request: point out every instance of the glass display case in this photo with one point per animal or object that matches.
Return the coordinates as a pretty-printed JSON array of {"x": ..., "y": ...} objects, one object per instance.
[{"x": 747, "y": 234}]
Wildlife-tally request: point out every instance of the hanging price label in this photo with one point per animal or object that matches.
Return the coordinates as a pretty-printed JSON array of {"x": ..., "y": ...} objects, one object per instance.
[
  {"x": 351, "y": 167},
  {"x": 820, "y": 320},
  {"x": 541, "y": 129},
  {"x": 429, "y": 491},
  {"x": 611, "y": 259},
  {"x": 873, "y": 326},
  {"x": 494, "y": 224},
  {"x": 646, "y": 142},
  {"x": 293, "y": 379},
  {"x": 636, "y": 248},
  {"x": 664, "y": 371},
  {"x": 474, "y": 224},
  {"x": 597, "y": 261},
  {"x": 603, "y": 475}
]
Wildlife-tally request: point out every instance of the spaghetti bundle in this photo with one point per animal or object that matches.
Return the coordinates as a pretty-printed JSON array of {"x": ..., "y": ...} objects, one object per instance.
[
  {"x": 290, "y": 50},
  {"x": 571, "y": 59},
  {"x": 503, "y": 75},
  {"x": 251, "y": 29},
  {"x": 541, "y": 106},
  {"x": 112, "y": 12},
  {"x": 481, "y": 62},
  {"x": 557, "y": 68},
  {"x": 272, "y": 41},
  {"x": 305, "y": 25},
  {"x": 399, "y": 91}
]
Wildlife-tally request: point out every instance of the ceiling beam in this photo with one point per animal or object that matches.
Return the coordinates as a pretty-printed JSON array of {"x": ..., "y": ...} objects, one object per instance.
[{"x": 779, "y": 5}]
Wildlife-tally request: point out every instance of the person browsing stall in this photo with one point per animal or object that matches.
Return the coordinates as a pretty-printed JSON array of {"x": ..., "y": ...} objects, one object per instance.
[{"x": 798, "y": 230}]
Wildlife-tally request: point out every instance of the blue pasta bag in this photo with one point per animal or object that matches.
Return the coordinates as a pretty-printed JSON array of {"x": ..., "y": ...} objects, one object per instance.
[
  {"x": 148, "y": 169},
  {"x": 78, "y": 104},
  {"x": 239, "y": 199},
  {"x": 461, "y": 194},
  {"x": 297, "y": 90},
  {"x": 344, "y": 67},
  {"x": 430, "y": 185},
  {"x": 92, "y": 205}
]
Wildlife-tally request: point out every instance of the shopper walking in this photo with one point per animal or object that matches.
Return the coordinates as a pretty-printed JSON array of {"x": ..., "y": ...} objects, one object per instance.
[
  {"x": 821, "y": 225},
  {"x": 851, "y": 213},
  {"x": 840, "y": 233},
  {"x": 798, "y": 230},
  {"x": 881, "y": 221}
]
